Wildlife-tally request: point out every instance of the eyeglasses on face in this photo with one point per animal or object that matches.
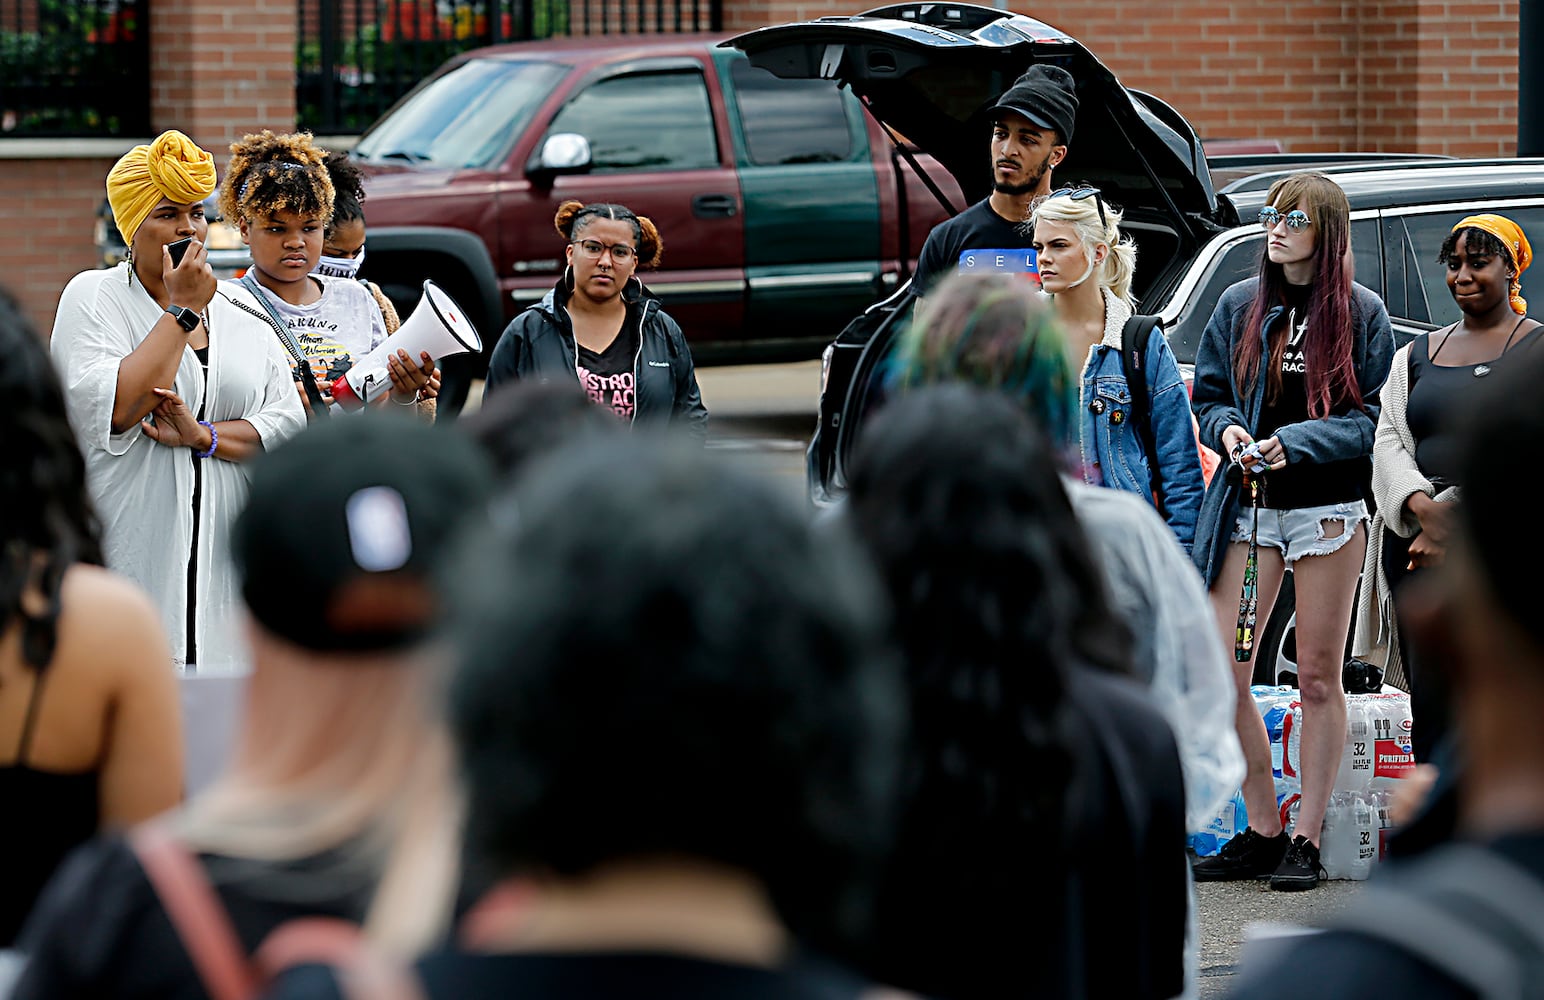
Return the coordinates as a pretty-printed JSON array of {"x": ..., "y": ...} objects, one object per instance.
[
  {"x": 1297, "y": 221},
  {"x": 621, "y": 253},
  {"x": 1079, "y": 193}
]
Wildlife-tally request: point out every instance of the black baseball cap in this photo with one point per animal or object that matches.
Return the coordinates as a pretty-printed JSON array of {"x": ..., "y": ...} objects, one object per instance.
[
  {"x": 1046, "y": 96},
  {"x": 345, "y": 524}
]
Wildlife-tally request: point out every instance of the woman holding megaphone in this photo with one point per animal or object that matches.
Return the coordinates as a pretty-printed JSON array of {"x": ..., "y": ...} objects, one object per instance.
[
  {"x": 279, "y": 190},
  {"x": 602, "y": 326}
]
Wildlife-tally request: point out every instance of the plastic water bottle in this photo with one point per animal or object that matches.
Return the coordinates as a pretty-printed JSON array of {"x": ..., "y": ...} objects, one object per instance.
[
  {"x": 1348, "y": 844},
  {"x": 1355, "y": 771},
  {"x": 1291, "y": 746},
  {"x": 1364, "y": 821},
  {"x": 1229, "y": 822},
  {"x": 1356, "y": 759},
  {"x": 1392, "y": 725},
  {"x": 1380, "y": 803},
  {"x": 1335, "y": 851},
  {"x": 1274, "y": 703}
]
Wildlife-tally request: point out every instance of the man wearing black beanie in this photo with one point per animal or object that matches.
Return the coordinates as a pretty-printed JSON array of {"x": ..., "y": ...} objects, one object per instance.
[{"x": 1031, "y": 127}]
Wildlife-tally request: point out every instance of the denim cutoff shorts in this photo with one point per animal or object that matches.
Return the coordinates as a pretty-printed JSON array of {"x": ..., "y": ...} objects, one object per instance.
[{"x": 1299, "y": 533}]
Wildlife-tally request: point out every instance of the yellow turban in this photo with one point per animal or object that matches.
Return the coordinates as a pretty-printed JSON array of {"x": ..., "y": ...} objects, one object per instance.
[
  {"x": 172, "y": 166},
  {"x": 1511, "y": 236}
]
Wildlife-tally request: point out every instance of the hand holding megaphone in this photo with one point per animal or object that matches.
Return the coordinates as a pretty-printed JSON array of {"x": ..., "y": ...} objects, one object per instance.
[{"x": 437, "y": 327}]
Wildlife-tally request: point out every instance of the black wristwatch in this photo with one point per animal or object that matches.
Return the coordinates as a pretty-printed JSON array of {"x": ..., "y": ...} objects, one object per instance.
[{"x": 185, "y": 317}]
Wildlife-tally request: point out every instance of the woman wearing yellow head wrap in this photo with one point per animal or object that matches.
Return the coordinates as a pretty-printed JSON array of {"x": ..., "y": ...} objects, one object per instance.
[
  {"x": 172, "y": 381},
  {"x": 1415, "y": 455},
  {"x": 171, "y": 168}
]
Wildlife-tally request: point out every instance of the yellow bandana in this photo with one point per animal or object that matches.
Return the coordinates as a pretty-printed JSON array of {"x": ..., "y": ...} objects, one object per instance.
[{"x": 1510, "y": 234}]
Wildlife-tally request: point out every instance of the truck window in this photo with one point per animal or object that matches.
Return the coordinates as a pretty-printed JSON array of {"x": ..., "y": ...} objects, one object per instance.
[
  {"x": 465, "y": 117},
  {"x": 790, "y": 121},
  {"x": 1425, "y": 278},
  {"x": 644, "y": 121}
]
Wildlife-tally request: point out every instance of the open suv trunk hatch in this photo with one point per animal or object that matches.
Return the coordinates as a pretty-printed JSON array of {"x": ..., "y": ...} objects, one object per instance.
[{"x": 931, "y": 71}]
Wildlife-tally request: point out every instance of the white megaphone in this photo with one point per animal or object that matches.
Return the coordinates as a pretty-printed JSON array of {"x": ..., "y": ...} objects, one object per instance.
[{"x": 437, "y": 326}]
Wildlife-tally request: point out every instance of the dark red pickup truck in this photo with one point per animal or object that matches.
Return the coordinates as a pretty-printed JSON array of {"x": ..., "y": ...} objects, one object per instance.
[{"x": 784, "y": 208}]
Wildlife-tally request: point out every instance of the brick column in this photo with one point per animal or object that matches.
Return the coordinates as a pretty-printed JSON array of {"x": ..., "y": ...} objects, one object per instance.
[
  {"x": 220, "y": 70},
  {"x": 1439, "y": 77}
]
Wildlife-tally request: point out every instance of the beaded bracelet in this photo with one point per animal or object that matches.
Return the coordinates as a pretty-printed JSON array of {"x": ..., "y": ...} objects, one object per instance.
[
  {"x": 214, "y": 440},
  {"x": 412, "y": 402}
]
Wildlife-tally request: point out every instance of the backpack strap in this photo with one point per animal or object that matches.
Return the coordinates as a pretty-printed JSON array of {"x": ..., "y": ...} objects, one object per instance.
[
  {"x": 197, "y": 916},
  {"x": 359, "y": 970},
  {"x": 1134, "y": 338},
  {"x": 1470, "y": 913},
  {"x": 307, "y": 376}
]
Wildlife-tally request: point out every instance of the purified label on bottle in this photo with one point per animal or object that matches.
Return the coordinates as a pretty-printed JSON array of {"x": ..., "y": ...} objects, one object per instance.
[{"x": 1393, "y": 759}]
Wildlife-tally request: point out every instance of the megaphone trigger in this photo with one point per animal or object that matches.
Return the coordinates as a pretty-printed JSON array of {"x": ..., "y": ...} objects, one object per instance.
[{"x": 436, "y": 326}]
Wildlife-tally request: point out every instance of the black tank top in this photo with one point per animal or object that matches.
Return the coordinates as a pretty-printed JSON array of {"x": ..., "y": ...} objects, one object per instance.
[
  {"x": 47, "y": 815},
  {"x": 1435, "y": 389}
]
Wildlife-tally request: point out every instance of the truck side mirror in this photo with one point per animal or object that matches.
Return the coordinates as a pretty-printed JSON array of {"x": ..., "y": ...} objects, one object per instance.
[{"x": 561, "y": 153}]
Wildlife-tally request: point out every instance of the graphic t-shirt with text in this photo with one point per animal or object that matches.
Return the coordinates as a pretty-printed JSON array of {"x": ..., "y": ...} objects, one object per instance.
[
  {"x": 336, "y": 330},
  {"x": 608, "y": 377},
  {"x": 976, "y": 241},
  {"x": 1303, "y": 484}
]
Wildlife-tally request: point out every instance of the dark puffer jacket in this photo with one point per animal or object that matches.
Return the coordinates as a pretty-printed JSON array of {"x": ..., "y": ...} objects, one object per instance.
[{"x": 539, "y": 343}]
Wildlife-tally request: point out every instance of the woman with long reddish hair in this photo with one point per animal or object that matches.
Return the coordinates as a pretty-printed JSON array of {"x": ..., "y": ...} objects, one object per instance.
[{"x": 1286, "y": 389}]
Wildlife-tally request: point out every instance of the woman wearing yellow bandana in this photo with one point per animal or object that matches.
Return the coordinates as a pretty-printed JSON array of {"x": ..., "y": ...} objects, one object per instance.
[
  {"x": 170, "y": 386},
  {"x": 1415, "y": 453}
]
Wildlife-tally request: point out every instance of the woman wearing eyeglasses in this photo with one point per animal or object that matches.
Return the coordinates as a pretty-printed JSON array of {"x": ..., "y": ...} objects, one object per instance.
[
  {"x": 1286, "y": 385},
  {"x": 1086, "y": 267},
  {"x": 601, "y": 326}
]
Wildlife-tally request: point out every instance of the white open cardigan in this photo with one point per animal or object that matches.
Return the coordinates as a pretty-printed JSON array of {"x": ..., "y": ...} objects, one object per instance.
[{"x": 1395, "y": 478}]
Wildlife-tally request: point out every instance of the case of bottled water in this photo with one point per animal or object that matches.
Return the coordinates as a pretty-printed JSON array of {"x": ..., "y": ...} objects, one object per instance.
[{"x": 1377, "y": 753}]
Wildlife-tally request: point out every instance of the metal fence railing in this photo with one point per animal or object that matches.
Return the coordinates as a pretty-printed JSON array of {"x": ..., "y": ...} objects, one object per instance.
[
  {"x": 355, "y": 58},
  {"x": 73, "y": 68}
]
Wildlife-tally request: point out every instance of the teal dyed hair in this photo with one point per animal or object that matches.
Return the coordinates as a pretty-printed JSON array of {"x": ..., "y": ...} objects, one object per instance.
[{"x": 992, "y": 331}]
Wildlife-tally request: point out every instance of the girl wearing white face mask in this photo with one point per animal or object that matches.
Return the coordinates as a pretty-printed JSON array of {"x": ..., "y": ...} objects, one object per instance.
[
  {"x": 343, "y": 252},
  {"x": 1086, "y": 267}
]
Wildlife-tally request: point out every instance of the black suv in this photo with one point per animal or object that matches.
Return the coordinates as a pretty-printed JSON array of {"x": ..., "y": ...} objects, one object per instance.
[{"x": 930, "y": 71}]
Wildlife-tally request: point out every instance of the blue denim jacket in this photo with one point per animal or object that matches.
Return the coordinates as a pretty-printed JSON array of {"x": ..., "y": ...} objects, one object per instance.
[
  {"x": 1108, "y": 438},
  {"x": 1219, "y": 403}
]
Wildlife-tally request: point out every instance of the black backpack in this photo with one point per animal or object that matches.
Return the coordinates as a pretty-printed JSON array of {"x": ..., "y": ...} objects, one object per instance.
[{"x": 1134, "y": 337}]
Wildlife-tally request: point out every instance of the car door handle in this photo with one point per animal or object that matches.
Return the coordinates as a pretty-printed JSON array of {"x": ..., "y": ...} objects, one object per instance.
[{"x": 715, "y": 206}]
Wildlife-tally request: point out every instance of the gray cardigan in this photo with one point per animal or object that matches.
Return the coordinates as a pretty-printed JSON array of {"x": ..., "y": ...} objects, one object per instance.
[{"x": 1218, "y": 403}]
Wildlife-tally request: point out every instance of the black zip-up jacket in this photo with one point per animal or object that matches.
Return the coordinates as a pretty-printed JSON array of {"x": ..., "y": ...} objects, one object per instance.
[{"x": 539, "y": 343}]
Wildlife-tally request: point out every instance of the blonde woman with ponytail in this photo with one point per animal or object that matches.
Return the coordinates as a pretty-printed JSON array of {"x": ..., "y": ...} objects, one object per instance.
[
  {"x": 601, "y": 326},
  {"x": 1086, "y": 268}
]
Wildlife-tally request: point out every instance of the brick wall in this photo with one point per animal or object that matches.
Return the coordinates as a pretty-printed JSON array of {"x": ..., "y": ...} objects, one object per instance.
[
  {"x": 220, "y": 70},
  {"x": 1437, "y": 76},
  {"x": 51, "y": 204}
]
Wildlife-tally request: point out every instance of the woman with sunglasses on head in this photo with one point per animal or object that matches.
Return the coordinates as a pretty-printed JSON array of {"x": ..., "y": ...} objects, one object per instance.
[
  {"x": 1086, "y": 268},
  {"x": 602, "y": 326},
  {"x": 1286, "y": 386},
  {"x": 1416, "y": 453}
]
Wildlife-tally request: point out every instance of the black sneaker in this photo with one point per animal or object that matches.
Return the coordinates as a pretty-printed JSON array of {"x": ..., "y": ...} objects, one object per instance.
[
  {"x": 1300, "y": 869},
  {"x": 1246, "y": 856}
]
